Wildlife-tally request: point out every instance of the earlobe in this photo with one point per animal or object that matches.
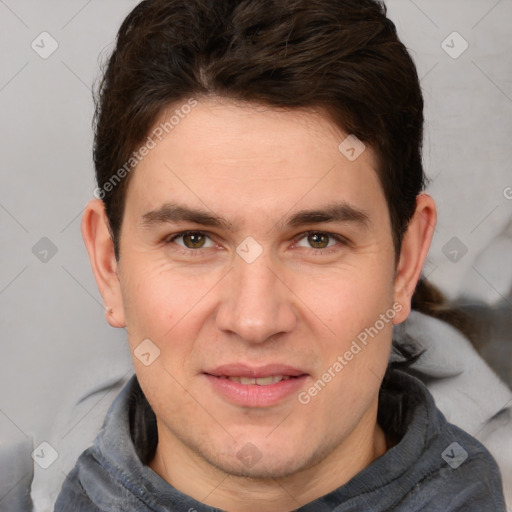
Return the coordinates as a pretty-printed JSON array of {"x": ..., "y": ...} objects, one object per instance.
[
  {"x": 414, "y": 250},
  {"x": 99, "y": 245}
]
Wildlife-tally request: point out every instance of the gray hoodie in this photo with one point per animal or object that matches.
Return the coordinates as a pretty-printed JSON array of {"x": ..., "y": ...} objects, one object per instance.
[{"x": 434, "y": 466}]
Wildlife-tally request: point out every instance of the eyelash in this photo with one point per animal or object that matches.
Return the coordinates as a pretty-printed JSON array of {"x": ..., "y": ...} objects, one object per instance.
[{"x": 317, "y": 252}]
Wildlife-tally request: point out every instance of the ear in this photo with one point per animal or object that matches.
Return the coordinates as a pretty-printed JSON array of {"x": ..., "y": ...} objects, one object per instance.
[
  {"x": 96, "y": 235},
  {"x": 414, "y": 250}
]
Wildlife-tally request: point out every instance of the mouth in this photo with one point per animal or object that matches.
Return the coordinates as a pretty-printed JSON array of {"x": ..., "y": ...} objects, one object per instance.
[
  {"x": 256, "y": 387},
  {"x": 261, "y": 381}
]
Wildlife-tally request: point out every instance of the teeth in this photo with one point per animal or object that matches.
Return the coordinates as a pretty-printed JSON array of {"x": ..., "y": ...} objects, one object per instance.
[
  {"x": 265, "y": 381},
  {"x": 262, "y": 381}
]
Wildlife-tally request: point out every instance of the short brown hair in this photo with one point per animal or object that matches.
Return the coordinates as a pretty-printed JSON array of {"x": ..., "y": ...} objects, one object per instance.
[{"x": 341, "y": 56}]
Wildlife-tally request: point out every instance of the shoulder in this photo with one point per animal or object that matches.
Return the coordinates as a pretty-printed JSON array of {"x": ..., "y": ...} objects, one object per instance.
[
  {"x": 468, "y": 477},
  {"x": 465, "y": 389},
  {"x": 100, "y": 479},
  {"x": 73, "y": 495},
  {"x": 442, "y": 466},
  {"x": 96, "y": 485}
]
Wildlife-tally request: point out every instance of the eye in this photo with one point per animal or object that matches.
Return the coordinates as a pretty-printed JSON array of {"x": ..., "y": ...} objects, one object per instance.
[
  {"x": 320, "y": 240},
  {"x": 192, "y": 240}
]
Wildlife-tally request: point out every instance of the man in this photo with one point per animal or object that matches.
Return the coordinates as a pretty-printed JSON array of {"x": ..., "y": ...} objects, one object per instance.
[{"x": 260, "y": 228}]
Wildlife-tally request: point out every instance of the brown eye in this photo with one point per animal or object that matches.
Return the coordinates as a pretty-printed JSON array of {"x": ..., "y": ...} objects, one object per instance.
[
  {"x": 194, "y": 240},
  {"x": 318, "y": 240},
  {"x": 321, "y": 242}
]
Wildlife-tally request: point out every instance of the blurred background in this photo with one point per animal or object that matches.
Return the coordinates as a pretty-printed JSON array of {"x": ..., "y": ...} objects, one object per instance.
[{"x": 53, "y": 331}]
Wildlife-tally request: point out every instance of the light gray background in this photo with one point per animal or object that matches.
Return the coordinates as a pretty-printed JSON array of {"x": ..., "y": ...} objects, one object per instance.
[{"x": 51, "y": 315}]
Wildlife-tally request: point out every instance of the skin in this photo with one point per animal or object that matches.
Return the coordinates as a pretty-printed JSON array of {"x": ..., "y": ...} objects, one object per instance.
[{"x": 300, "y": 303}]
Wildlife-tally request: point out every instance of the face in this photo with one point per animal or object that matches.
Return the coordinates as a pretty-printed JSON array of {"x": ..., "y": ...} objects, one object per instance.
[{"x": 252, "y": 247}]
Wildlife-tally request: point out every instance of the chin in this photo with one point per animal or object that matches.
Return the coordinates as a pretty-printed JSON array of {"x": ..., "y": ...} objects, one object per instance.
[
  {"x": 261, "y": 459},
  {"x": 264, "y": 469}
]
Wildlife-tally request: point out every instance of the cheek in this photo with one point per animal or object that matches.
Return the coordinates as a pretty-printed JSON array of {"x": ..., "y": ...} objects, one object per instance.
[
  {"x": 348, "y": 300},
  {"x": 152, "y": 292},
  {"x": 154, "y": 301},
  {"x": 167, "y": 305},
  {"x": 146, "y": 299},
  {"x": 159, "y": 306}
]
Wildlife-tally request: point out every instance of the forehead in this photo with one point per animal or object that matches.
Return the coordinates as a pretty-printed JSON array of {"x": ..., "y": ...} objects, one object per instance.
[{"x": 230, "y": 155}]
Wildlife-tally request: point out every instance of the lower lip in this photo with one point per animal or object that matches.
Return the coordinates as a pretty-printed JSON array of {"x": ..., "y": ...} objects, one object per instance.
[{"x": 252, "y": 395}]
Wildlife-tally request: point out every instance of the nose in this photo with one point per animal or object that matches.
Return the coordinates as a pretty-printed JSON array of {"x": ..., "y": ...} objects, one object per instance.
[{"x": 256, "y": 304}]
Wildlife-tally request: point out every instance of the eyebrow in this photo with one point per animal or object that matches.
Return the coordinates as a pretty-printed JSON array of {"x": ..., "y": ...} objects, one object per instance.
[
  {"x": 173, "y": 213},
  {"x": 170, "y": 212}
]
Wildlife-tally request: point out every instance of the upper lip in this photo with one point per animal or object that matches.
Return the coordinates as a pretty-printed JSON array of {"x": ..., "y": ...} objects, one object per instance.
[{"x": 242, "y": 370}]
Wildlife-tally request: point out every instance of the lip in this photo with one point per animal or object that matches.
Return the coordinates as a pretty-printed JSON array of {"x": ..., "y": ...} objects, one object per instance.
[{"x": 253, "y": 395}]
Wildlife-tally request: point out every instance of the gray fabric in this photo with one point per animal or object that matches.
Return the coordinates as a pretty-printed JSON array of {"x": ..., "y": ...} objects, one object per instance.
[
  {"x": 411, "y": 476},
  {"x": 16, "y": 471}
]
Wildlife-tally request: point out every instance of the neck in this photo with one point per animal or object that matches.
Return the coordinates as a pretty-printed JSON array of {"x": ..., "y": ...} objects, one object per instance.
[{"x": 188, "y": 472}]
